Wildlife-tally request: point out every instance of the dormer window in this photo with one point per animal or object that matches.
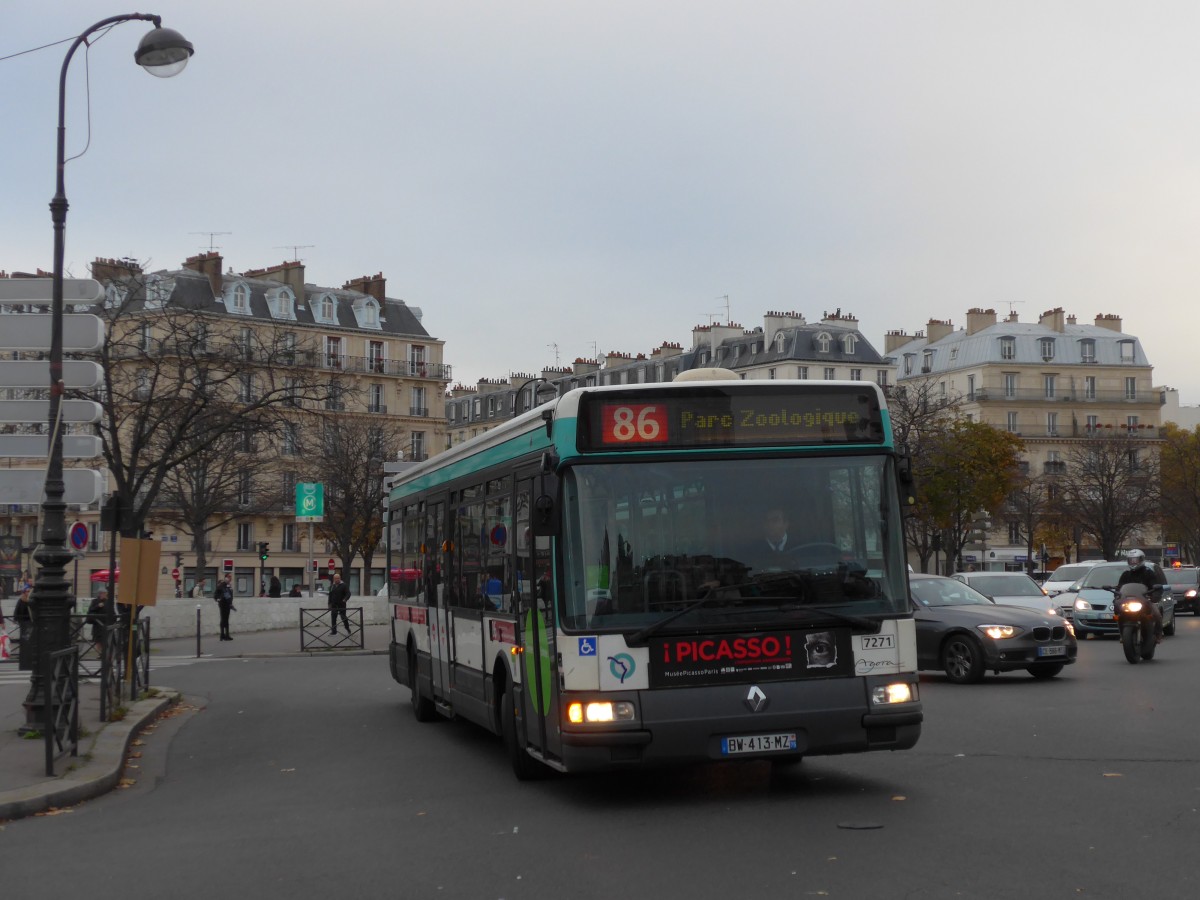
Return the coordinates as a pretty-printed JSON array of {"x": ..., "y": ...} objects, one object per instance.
[
  {"x": 370, "y": 313},
  {"x": 1087, "y": 350},
  {"x": 849, "y": 342},
  {"x": 1126, "y": 351},
  {"x": 326, "y": 309},
  {"x": 779, "y": 340},
  {"x": 240, "y": 299},
  {"x": 823, "y": 342},
  {"x": 927, "y": 361},
  {"x": 1008, "y": 347},
  {"x": 908, "y": 363},
  {"x": 158, "y": 291},
  {"x": 282, "y": 303},
  {"x": 1047, "y": 348}
]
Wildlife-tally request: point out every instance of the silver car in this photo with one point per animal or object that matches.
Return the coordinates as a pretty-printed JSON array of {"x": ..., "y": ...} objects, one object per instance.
[{"x": 1010, "y": 589}]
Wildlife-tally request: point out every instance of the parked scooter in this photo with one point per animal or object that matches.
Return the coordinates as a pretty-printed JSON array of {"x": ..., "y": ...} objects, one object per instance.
[{"x": 1134, "y": 608}]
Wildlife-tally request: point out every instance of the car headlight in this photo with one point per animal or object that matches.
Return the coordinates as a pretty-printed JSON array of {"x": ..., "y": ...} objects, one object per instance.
[
  {"x": 1191, "y": 595},
  {"x": 1080, "y": 603},
  {"x": 1070, "y": 627},
  {"x": 1000, "y": 632}
]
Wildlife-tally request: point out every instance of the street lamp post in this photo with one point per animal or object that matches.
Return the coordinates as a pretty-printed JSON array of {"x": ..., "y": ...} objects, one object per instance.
[{"x": 162, "y": 52}]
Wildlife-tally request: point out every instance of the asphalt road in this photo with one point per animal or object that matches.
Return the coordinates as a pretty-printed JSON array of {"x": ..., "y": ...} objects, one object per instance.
[{"x": 303, "y": 777}]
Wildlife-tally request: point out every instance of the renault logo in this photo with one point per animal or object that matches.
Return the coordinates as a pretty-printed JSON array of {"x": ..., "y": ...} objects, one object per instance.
[{"x": 756, "y": 699}]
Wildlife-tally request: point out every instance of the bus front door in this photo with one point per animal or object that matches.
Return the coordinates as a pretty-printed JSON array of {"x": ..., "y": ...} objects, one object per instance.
[
  {"x": 439, "y": 618},
  {"x": 536, "y": 621}
]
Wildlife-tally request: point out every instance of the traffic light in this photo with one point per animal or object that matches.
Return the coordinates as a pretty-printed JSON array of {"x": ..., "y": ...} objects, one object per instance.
[
  {"x": 264, "y": 550},
  {"x": 979, "y": 530}
]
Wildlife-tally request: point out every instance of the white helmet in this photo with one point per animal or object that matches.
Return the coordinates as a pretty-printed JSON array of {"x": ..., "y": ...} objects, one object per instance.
[{"x": 1135, "y": 557}]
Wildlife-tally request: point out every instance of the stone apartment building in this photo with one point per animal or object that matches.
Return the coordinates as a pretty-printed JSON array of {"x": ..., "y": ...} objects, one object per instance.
[
  {"x": 372, "y": 352},
  {"x": 784, "y": 346},
  {"x": 1055, "y": 383}
]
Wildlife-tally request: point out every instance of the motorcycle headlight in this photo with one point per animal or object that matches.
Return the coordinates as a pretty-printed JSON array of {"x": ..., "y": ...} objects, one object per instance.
[
  {"x": 999, "y": 632},
  {"x": 1132, "y": 606}
]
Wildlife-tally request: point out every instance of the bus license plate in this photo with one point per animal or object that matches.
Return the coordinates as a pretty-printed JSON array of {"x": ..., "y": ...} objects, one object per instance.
[
  {"x": 758, "y": 743},
  {"x": 1053, "y": 650}
]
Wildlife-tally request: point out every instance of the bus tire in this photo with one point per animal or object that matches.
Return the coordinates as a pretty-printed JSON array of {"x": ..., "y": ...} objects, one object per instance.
[
  {"x": 422, "y": 707},
  {"x": 524, "y": 766}
]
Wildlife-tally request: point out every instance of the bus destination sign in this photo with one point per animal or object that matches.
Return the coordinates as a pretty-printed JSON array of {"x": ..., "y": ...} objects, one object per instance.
[{"x": 717, "y": 417}]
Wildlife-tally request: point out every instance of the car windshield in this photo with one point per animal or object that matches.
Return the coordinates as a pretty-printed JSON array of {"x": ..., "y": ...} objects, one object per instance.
[
  {"x": 1182, "y": 576},
  {"x": 946, "y": 592},
  {"x": 1103, "y": 576},
  {"x": 1068, "y": 574},
  {"x": 1006, "y": 585},
  {"x": 726, "y": 543}
]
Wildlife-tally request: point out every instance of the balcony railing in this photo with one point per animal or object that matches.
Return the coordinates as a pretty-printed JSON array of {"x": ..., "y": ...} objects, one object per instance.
[
  {"x": 1065, "y": 395},
  {"x": 377, "y": 408},
  {"x": 418, "y": 410},
  {"x": 1035, "y": 430},
  {"x": 401, "y": 367}
]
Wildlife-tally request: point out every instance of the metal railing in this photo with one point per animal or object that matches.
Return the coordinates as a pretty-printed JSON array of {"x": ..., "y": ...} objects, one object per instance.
[
  {"x": 316, "y": 629},
  {"x": 60, "y": 683}
]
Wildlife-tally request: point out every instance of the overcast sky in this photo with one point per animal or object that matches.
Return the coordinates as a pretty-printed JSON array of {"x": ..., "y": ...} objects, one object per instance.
[{"x": 555, "y": 179}]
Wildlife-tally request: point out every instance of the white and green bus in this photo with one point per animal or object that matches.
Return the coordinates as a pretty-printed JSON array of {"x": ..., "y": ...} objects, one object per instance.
[{"x": 603, "y": 579}]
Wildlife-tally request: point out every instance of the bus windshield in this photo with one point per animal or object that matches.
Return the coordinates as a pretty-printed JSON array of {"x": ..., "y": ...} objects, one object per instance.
[{"x": 730, "y": 543}]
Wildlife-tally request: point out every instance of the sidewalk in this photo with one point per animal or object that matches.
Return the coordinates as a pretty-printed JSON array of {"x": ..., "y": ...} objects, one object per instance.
[{"x": 24, "y": 788}]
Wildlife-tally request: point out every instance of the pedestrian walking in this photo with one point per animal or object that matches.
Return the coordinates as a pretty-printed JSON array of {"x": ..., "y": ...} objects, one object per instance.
[
  {"x": 96, "y": 612},
  {"x": 23, "y": 616},
  {"x": 339, "y": 593},
  {"x": 224, "y": 598},
  {"x": 276, "y": 587}
]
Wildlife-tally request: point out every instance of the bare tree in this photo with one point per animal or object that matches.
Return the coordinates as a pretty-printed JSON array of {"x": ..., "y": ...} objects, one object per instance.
[
  {"x": 178, "y": 382},
  {"x": 1029, "y": 507},
  {"x": 1180, "y": 463},
  {"x": 1111, "y": 489},
  {"x": 352, "y": 453}
]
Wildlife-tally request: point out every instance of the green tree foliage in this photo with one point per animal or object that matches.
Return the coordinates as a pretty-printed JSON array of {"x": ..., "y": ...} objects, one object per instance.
[
  {"x": 969, "y": 466},
  {"x": 1179, "y": 464}
]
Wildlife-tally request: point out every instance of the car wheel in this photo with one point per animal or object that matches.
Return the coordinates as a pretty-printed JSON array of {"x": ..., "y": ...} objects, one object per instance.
[
  {"x": 1169, "y": 630},
  {"x": 962, "y": 659},
  {"x": 1045, "y": 670}
]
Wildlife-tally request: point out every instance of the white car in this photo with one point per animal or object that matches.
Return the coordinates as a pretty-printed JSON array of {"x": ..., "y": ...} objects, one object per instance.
[
  {"x": 1066, "y": 575},
  {"x": 1010, "y": 589}
]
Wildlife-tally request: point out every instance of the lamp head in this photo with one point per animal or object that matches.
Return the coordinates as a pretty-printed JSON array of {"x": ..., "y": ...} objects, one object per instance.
[{"x": 163, "y": 52}]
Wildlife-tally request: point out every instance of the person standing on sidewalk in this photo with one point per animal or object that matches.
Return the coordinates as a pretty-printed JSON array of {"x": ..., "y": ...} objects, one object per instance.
[
  {"x": 339, "y": 593},
  {"x": 224, "y": 598}
]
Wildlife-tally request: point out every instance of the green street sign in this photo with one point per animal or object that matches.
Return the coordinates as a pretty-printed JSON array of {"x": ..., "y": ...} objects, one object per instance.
[{"x": 310, "y": 502}]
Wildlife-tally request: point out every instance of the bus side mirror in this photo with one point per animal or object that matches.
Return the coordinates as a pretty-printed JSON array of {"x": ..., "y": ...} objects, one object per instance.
[{"x": 543, "y": 516}]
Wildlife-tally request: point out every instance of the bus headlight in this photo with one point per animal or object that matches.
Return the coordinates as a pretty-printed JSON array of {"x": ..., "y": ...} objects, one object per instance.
[
  {"x": 897, "y": 692},
  {"x": 599, "y": 711}
]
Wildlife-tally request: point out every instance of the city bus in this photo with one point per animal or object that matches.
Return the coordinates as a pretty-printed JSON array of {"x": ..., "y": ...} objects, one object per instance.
[{"x": 592, "y": 584}]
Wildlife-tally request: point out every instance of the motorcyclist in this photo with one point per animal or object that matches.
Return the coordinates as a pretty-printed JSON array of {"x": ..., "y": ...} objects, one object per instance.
[{"x": 1140, "y": 573}]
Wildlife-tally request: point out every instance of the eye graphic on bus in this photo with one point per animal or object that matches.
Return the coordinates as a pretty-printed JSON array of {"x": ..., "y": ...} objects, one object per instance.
[{"x": 621, "y": 666}]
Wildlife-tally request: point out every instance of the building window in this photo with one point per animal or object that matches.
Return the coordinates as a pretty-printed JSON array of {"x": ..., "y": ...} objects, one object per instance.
[
  {"x": 855, "y": 374},
  {"x": 143, "y": 384},
  {"x": 1047, "y": 347},
  {"x": 328, "y": 309},
  {"x": 1087, "y": 350},
  {"x": 971, "y": 387},
  {"x": 333, "y": 352},
  {"x": 1130, "y": 388},
  {"x": 1014, "y": 533},
  {"x": 245, "y": 536},
  {"x": 802, "y": 373},
  {"x": 375, "y": 356},
  {"x": 881, "y": 377},
  {"x": 291, "y": 446},
  {"x": 418, "y": 445},
  {"x": 1052, "y": 424},
  {"x": 771, "y": 373},
  {"x": 336, "y": 399},
  {"x": 927, "y": 361},
  {"x": 953, "y": 353},
  {"x": 1131, "y": 423},
  {"x": 375, "y": 399},
  {"x": 1126, "y": 351},
  {"x": 420, "y": 403},
  {"x": 146, "y": 341},
  {"x": 1010, "y": 385},
  {"x": 1008, "y": 348},
  {"x": 823, "y": 342},
  {"x": 244, "y": 489},
  {"x": 829, "y": 373},
  {"x": 416, "y": 360},
  {"x": 370, "y": 313},
  {"x": 246, "y": 440},
  {"x": 849, "y": 342},
  {"x": 1012, "y": 423},
  {"x": 1048, "y": 385},
  {"x": 245, "y": 387},
  {"x": 908, "y": 363},
  {"x": 1134, "y": 458},
  {"x": 289, "y": 537},
  {"x": 1093, "y": 422},
  {"x": 1089, "y": 387}
]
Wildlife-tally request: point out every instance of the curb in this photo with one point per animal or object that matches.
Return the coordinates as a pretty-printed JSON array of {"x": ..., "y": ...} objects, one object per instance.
[{"x": 90, "y": 778}]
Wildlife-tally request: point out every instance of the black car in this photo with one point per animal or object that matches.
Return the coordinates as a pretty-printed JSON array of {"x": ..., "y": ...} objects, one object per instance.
[
  {"x": 1184, "y": 582},
  {"x": 964, "y": 634}
]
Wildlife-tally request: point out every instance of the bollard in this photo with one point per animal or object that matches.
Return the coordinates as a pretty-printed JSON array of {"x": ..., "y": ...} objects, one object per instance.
[{"x": 197, "y": 631}]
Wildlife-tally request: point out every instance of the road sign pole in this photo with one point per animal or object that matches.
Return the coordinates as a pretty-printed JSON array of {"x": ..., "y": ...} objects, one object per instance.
[{"x": 312, "y": 586}]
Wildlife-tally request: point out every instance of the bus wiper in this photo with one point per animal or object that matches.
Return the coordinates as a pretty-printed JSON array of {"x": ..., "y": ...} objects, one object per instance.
[{"x": 639, "y": 637}]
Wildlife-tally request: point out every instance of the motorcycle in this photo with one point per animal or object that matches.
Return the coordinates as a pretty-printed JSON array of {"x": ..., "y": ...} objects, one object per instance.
[{"x": 1134, "y": 609}]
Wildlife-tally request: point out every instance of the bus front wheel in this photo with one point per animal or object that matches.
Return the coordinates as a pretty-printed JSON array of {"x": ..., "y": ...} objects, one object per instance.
[
  {"x": 422, "y": 707},
  {"x": 524, "y": 766}
]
